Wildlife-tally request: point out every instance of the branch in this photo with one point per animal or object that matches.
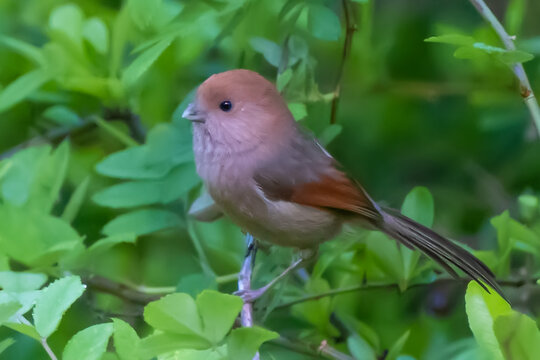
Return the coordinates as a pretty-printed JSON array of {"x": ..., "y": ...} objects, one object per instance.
[
  {"x": 56, "y": 135},
  {"x": 350, "y": 28},
  {"x": 124, "y": 291},
  {"x": 244, "y": 283},
  {"x": 508, "y": 41},
  {"x": 322, "y": 351},
  {"x": 355, "y": 288}
]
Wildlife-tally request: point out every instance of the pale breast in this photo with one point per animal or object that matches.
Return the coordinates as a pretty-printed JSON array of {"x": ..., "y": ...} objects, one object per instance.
[{"x": 229, "y": 180}]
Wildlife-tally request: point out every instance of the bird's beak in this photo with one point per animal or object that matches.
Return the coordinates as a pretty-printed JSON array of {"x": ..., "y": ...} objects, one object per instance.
[{"x": 193, "y": 114}]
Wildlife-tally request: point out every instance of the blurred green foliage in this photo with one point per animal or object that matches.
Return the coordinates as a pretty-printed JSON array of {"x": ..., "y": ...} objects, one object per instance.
[{"x": 98, "y": 255}]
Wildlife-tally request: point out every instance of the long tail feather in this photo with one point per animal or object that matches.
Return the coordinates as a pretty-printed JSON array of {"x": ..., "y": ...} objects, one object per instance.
[{"x": 440, "y": 249}]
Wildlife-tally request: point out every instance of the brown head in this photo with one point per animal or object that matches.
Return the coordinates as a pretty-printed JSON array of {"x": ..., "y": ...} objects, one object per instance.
[{"x": 238, "y": 108}]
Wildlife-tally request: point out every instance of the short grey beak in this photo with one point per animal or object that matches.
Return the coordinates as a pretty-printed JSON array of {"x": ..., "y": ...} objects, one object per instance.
[{"x": 193, "y": 114}]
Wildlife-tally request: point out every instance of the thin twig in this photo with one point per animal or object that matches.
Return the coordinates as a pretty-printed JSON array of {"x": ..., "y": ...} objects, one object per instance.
[
  {"x": 355, "y": 288},
  {"x": 43, "y": 341},
  {"x": 123, "y": 291},
  {"x": 48, "y": 349},
  {"x": 524, "y": 84},
  {"x": 350, "y": 28},
  {"x": 244, "y": 284},
  {"x": 322, "y": 351}
]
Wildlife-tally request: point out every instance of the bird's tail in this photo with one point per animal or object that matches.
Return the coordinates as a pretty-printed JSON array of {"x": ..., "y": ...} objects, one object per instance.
[{"x": 440, "y": 249}]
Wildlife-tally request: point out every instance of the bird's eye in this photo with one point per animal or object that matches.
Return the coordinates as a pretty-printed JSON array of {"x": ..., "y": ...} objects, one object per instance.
[{"x": 225, "y": 105}]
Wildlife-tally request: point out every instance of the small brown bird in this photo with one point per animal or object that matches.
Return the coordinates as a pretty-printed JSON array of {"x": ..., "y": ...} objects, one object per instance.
[{"x": 278, "y": 183}]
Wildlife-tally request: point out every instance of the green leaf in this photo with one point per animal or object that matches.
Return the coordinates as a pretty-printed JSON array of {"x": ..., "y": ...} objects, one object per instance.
[
  {"x": 385, "y": 253},
  {"x": 108, "y": 242},
  {"x": 218, "y": 312},
  {"x": 323, "y": 23},
  {"x": 34, "y": 239},
  {"x": 142, "y": 63},
  {"x": 518, "y": 336},
  {"x": 54, "y": 302},
  {"x": 26, "y": 300},
  {"x": 244, "y": 342},
  {"x": 24, "y": 329},
  {"x": 96, "y": 33},
  {"x": 19, "y": 281},
  {"x": 469, "y": 52},
  {"x": 283, "y": 79},
  {"x": 179, "y": 181},
  {"x": 329, "y": 134},
  {"x": 62, "y": 115},
  {"x": 53, "y": 176},
  {"x": 478, "y": 49},
  {"x": 528, "y": 206},
  {"x": 269, "y": 49},
  {"x": 144, "y": 13},
  {"x": 163, "y": 343},
  {"x": 8, "y": 309},
  {"x": 4, "y": 344},
  {"x": 27, "y": 50},
  {"x": 513, "y": 235},
  {"x": 167, "y": 146},
  {"x": 34, "y": 177},
  {"x": 88, "y": 344},
  {"x": 317, "y": 312},
  {"x": 360, "y": 349},
  {"x": 68, "y": 20},
  {"x": 419, "y": 205},
  {"x": 193, "y": 284},
  {"x": 22, "y": 87},
  {"x": 126, "y": 340},
  {"x": 75, "y": 201},
  {"x": 482, "y": 310},
  {"x": 142, "y": 222},
  {"x": 515, "y": 56},
  {"x": 396, "y": 349},
  {"x": 453, "y": 39},
  {"x": 298, "y": 110},
  {"x": 515, "y": 13},
  {"x": 176, "y": 313}
]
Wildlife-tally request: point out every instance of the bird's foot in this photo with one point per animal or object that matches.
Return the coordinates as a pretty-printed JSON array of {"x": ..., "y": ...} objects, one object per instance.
[{"x": 249, "y": 296}]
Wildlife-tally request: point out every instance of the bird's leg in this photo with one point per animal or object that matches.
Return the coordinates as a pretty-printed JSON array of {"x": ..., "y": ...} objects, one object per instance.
[{"x": 252, "y": 295}]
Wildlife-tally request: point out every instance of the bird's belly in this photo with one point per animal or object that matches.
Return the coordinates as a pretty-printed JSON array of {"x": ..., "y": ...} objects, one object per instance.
[{"x": 280, "y": 222}]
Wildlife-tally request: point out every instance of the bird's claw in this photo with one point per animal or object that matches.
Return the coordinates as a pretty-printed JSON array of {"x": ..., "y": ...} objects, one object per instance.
[{"x": 249, "y": 296}]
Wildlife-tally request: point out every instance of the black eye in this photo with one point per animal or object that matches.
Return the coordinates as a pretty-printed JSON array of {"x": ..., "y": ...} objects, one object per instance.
[{"x": 225, "y": 105}]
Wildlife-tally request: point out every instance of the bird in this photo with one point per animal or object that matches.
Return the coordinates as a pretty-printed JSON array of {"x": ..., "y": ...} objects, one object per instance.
[{"x": 274, "y": 179}]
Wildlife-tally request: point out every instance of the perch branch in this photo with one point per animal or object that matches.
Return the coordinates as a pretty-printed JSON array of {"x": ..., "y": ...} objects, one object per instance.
[
  {"x": 244, "y": 283},
  {"x": 508, "y": 41}
]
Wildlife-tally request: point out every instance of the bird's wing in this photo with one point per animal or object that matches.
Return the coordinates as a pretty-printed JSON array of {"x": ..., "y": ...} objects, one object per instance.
[{"x": 306, "y": 174}]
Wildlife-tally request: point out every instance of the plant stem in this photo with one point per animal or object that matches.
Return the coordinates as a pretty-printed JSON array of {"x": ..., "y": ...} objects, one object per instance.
[
  {"x": 114, "y": 132},
  {"x": 224, "y": 279},
  {"x": 524, "y": 84},
  {"x": 48, "y": 349},
  {"x": 355, "y": 288},
  {"x": 43, "y": 340},
  {"x": 350, "y": 28}
]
